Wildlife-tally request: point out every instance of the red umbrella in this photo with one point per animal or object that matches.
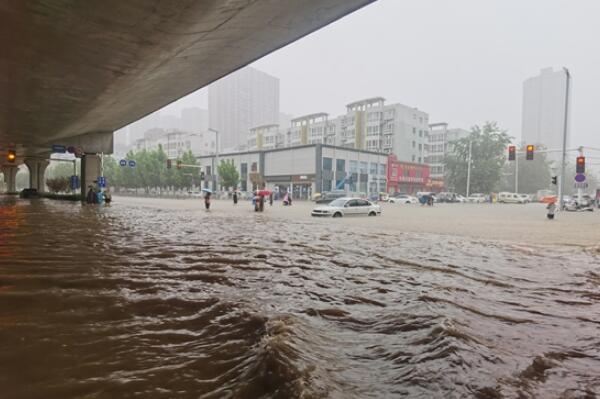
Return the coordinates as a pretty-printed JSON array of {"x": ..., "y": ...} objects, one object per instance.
[{"x": 264, "y": 193}]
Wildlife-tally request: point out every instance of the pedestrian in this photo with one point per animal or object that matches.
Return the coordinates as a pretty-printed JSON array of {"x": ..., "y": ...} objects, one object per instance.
[
  {"x": 235, "y": 198},
  {"x": 551, "y": 209},
  {"x": 290, "y": 198},
  {"x": 271, "y": 199},
  {"x": 107, "y": 196},
  {"x": 430, "y": 199},
  {"x": 90, "y": 195},
  {"x": 261, "y": 203},
  {"x": 207, "y": 201}
]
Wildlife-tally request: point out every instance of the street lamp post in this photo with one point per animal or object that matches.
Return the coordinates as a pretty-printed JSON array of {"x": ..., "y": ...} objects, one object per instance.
[
  {"x": 564, "y": 144},
  {"x": 216, "y": 167},
  {"x": 469, "y": 168}
]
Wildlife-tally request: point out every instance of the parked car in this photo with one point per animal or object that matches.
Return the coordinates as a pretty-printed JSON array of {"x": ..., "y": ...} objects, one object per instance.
[
  {"x": 403, "y": 199},
  {"x": 574, "y": 203},
  {"x": 447, "y": 197},
  {"x": 29, "y": 193},
  {"x": 461, "y": 198},
  {"x": 347, "y": 207},
  {"x": 526, "y": 198},
  {"x": 510, "y": 198},
  {"x": 196, "y": 194},
  {"x": 477, "y": 198},
  {"x": 329, "y": 196}
]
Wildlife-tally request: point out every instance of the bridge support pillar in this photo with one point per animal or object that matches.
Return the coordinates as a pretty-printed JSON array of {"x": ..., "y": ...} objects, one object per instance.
[
  {"x": 10, "y": 177},
  {"x": 37, "y": 168},
  {"x": 90, "y": 171}
]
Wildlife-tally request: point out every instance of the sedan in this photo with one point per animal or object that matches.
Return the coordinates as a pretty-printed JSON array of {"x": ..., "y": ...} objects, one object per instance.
[
  {"x": 403, "y": 199},
  {"x": 347, "y": 207}
]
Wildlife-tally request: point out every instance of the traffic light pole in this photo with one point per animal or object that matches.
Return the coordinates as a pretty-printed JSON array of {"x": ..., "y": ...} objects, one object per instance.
[
  {"x": 516, "y": 173},
  {"x": 564, "y": 146}
]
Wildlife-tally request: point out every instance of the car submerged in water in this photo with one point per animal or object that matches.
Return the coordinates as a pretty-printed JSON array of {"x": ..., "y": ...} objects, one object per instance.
[{"x": 347, "y": 207}]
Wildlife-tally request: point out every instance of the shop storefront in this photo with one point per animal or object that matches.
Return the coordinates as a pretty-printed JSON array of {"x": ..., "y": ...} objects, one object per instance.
[{"x": 405, "y": 177}]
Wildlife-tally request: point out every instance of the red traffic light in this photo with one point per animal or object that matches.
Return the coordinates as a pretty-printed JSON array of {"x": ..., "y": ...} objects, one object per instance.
[
  {"x": 580, "y": 166},
  {"x": 529, "y": 155},
  {"x": 512, "y": 151},
  {"x": 11, "y": 156}
]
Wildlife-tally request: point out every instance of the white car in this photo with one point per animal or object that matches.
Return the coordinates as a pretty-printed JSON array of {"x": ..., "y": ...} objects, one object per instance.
[
  {"x": 461, "y": 198},
  {"x": 403, "y": 199},
  {"x": 511, "y": 198},
  {"x": 477, "y": 197},
  {"x": 347, "y": 207}
]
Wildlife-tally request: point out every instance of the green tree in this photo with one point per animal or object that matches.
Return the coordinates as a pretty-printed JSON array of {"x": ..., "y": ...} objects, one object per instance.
[
  {"x": 488, "y": 147},
  {"x": 59, "y": 184},
  {"x": 112, "y": 171},
  {"x": 228, "y": 174}
]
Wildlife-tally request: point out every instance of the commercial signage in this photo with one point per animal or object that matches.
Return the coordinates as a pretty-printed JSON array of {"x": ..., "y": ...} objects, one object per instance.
[
  {"x": 123, "y": 162},
  {"x": 57, "y": 148},
  {"x": 132, "y": 163}
]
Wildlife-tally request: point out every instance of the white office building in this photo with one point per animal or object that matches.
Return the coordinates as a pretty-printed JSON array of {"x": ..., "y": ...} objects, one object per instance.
[
  {"x": 240, "y": 101},
  {"x": 397, "y": 129},
  {"x": 175, "y": 142},
  {"x": 543, "y": 112},
  {"x": 439, "y": 145}
]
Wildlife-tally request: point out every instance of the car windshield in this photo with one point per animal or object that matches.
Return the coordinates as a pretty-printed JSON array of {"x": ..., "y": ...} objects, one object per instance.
[{"x": 337, "y": 202}]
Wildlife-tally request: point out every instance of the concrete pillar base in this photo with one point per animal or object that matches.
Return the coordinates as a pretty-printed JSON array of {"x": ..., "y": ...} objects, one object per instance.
[
  {"x": 37, "y": 168},
  {"x": 10, "y": 177},
  {"x": 90, "y": 171}
]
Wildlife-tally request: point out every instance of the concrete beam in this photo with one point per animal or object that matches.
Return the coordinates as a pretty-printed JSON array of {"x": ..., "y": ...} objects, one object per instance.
[
  {"x": 10, "y": 177},
  {"x": 90, "y": 143},
  {"x": 37, "y": 169}
]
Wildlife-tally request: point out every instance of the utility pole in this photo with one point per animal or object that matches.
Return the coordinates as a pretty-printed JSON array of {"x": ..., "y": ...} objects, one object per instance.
[
  {"x": 516, "y": 172},
  {"x": 216, "y": 167},
  {"x": 469, "y": 168},
  {"x": 564, "y": 146}
]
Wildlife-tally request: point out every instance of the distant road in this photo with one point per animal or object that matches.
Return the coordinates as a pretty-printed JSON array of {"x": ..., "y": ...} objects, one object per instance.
[{"x": 518, "y": 224}]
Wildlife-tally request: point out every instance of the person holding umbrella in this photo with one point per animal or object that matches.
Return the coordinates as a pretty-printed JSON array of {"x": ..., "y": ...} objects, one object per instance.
[
  {"x": 235, "y": 197},
  {"x": 207, "y": 194}
]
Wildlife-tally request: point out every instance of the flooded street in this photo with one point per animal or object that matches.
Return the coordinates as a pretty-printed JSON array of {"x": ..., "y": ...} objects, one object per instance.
[{"x": 135, "y": 301}]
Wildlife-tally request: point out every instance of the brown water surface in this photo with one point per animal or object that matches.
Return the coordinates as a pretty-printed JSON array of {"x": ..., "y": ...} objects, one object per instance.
[{"x": 126, "y": 301}]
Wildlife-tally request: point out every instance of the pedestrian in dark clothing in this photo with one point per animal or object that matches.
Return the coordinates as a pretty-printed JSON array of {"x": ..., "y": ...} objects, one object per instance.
[
  {"x": 261, "y": 203},
  {"x": 271, "y": 199},
  {"x": 235, "y": 198},
  {"x": 290, "y": 199},
  {"x": 90, "y": 196},
  {"x": 207, "y": 201}
]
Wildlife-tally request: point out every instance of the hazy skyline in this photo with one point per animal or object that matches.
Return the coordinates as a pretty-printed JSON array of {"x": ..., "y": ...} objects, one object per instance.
[{"x": 463, "y": 62}]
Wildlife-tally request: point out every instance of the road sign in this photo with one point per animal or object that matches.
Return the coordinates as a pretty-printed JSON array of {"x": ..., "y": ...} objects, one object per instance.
[
  {"x": 131, "y": 163},
  {"x": 57, "y": 148},
  {"x": 75, "y": 182},
  {"x": 123, "y": 162},
  {"x": 581, "y": 185},
  {"x": 579, "y": 177},
  {"x": 101, "y": 181}
]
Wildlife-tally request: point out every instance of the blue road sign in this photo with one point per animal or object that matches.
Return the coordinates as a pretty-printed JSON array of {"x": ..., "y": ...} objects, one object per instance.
[
  {"x": 101, "y": 181},
  {"x": 57, "y": 148},
  {"x": 74, "y": 182},
  {"x": 123, "y": 162},
  {"x": 579, "y": 177},
  {"x": 132, "y": 163}
]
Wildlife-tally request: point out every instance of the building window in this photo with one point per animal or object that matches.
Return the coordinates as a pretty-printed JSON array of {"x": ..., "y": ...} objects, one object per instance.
[
  {"x": 353, "y": 166},
  {"x": 373, "y": 168},
  {"x": 382, "y": 168},
  {"x": 413, "y": 158},
  {"x": 420, "y": 146},
  {"x": 420, "y": 133},
  {"x": 419, "y": 159},
  {"x": 414, "y": 144},
  {"x": 414, "y": 130},
  {"x": 363, "y": 167},
  {"x": 327, "y": 163},
  {"x": 340, "y": 165}
]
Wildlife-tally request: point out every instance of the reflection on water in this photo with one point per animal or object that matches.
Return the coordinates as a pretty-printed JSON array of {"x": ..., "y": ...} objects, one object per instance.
[{"x": 124, "y": 301}]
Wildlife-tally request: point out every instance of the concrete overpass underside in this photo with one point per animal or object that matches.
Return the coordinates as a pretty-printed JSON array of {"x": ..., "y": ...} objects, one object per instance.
[{"x": 72, "y": 72}]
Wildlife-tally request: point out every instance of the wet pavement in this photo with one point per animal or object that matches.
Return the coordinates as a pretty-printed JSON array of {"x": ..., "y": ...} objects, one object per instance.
[{"x": 141, "y": 301}]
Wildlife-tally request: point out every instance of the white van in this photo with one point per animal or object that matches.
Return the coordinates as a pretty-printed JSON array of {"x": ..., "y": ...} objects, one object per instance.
[{"x": 510, "y": 198}]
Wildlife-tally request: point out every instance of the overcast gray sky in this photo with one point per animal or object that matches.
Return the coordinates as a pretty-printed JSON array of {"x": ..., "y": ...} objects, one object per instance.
[{"x": 462, "y": 61}]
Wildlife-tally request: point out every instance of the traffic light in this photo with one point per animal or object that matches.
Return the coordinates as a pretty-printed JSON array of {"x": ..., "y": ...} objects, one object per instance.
[
  {"x": 169, "y": 164},
  {"x": 201, "y": 175},
  {"x": 554, "y": 178},
  {"x": 179, "y": 164},
  {"x": 11, "y": 156},
  {"x": 512, "y": 152},
  {"x": 529, "y": 156},
  {"x": 580, "y": 166}
]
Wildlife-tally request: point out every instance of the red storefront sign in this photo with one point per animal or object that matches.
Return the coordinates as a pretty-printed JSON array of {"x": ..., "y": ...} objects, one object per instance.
[{"x": 405, "y": 176}]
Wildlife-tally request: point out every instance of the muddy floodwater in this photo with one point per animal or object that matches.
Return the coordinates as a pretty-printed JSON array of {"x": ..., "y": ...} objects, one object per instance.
[{"x": 130, "y": 301}]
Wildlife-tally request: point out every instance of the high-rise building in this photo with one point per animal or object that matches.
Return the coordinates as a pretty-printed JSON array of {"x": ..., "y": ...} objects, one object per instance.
[
  {"x": 543, "y": 112},
  {"x": 194, "y": 119},
  {"x": 242, "y": 100},
  {"x": 439, "y": 144}
]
